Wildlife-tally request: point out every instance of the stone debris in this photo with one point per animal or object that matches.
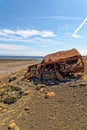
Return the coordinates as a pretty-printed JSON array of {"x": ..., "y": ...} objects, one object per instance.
[
  {"x": 72, "y": 85},
  {"x": 13, "y": 77},
  {"x": 26, "y": 92},
  {"x": 10, "y": 94},
  {"x": 84, "y": 77},
  {"x": 50, "y": 95},
  {"x": 41, "y": 90},
  {"x": 3, "y": 108},
  {"x": 12, "y": 126},
  {"x": 39, "y": 86},
  {"x": 82, "y": 84},
  {"x": 26, "y": 108}
]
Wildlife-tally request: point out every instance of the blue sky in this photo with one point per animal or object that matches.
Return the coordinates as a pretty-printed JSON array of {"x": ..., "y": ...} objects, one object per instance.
[{"x": 40, "y": 27}]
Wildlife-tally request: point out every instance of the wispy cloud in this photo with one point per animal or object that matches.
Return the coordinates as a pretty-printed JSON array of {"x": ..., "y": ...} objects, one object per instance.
[
  {"x": 18, "y": 34},
  {"x": 12, "y": 47},
  {"x": 47, "y": 38},
  {"x": 75, "y": 34},
  {"x": 58, "y": 17}
]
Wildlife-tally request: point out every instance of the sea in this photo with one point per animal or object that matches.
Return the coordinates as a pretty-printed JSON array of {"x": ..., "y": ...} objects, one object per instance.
[{"x": 22, "y": 57}]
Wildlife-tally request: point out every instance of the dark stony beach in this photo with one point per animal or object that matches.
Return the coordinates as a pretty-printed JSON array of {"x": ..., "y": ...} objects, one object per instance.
[{"x": 25, "y": 106}]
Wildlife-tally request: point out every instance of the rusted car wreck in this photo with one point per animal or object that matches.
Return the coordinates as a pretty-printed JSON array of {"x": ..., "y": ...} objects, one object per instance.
[{"x": 56, "y": 67}]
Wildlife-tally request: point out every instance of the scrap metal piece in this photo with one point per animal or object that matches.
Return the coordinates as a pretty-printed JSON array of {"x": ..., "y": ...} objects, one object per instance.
[{"x": 56, "y": 66}]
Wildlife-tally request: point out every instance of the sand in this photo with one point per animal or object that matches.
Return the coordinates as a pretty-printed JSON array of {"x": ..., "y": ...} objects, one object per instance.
[{"x": 8, "y": 67}]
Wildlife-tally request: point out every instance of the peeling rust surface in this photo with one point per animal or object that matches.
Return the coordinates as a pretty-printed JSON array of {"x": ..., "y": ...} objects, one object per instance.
[{"x": 56, "y": 66}]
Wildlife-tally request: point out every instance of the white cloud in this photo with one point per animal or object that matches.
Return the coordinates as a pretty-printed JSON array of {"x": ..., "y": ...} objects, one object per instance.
[
  {"x": 17, "y": 34},
  {"x": 27, "y": 33},
  {"x": 47, "y": 34},
  {"x": 12, "y": 47},
  {"x": 75, "y": 34}
]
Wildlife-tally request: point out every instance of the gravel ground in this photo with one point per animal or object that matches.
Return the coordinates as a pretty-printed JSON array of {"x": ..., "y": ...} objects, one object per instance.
[{"x": 65, "y": 109}]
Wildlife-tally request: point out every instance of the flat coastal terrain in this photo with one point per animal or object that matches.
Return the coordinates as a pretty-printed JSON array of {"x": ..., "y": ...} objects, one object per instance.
[{"x": 25, "y": 106}]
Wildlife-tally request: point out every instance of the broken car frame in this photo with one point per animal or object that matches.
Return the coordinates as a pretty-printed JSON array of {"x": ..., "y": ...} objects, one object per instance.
[{"x": 57, "y": 65}]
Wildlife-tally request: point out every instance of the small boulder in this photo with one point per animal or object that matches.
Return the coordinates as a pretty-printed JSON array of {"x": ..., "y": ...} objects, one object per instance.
[
  {"x": 39, "y": 86},
  {"x": 26, "y": 92},
  {"x": 82, "y": 84},
  {"x": 11, "y": 125},
  {"x": 72, "y": 85},
  {"x": 84, "y": 77},
  {"x": 13, "y": 77},
  {"x": 26, "y": 108},
  {"x": 9, "y": 100},
  {"x": 50, "y": 95},
  {"x": 41, "y": 90}
]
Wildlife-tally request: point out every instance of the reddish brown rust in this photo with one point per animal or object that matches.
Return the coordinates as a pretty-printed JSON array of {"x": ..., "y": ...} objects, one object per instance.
[{"x": 57, "y": 65}]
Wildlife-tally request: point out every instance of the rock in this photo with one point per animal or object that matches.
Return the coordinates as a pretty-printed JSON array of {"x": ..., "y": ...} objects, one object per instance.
[
  {"x": 26, "y": 92},
  {"x": 82, "y": 84},
  {"x": 9, "y": 100},
  {"x": 41, "y": 90},
  {"x": 50, "y": 95},
  {"x": 85, "y": 94},
  {"x": 13, "y": 77},
  {"x": 3, "y": 108},
  {"x": 10, "y": 94},
  {"x": 26, "y": 108},
  {"x": 1, "y": 105},
  {"x": 12, "y": 126},
  {"x": 15, "y": 88},
  {"x": 72, "y": 85},
  {"x": 4, "y": 85},
  {"x": 84, "y": 77},
  {"x": 39, "y": 86},
  {"x": 19, "y": 95},
  {"x": 2, "y": 91}
]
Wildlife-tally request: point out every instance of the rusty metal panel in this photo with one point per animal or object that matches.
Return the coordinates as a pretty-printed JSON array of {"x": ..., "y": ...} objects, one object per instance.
[{"x": 56, "y": 57}]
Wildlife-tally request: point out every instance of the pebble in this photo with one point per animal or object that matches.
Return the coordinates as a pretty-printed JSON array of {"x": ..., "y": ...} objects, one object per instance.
[
  {"x": 84, "y": 77},
  {"x": 26, "y": 92},
  {"x": 26, "y": 108},
  {"x": 50, "y": 95},
  {"x": 72, "y": 85},
  {"x": 39, "y": 86},
  {"x": 82, "y": 84},
  {"x": 3, "y": 108},
  {"x": 12, "y": 126},
  {"x": 85, "y": 94},
  {"x": 41, "y": 90},
  {"x": 9, "y": 100},
  {"x": 13, "y": 77}
]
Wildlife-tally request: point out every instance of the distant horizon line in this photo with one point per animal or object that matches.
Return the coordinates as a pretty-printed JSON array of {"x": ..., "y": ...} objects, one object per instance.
[
  {"x": 29, "y": 55},
  {"x": 23, "y": 55}
]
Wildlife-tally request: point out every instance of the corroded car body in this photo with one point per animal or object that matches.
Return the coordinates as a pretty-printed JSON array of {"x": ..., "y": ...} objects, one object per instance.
[{"x": 56, "y": 66}]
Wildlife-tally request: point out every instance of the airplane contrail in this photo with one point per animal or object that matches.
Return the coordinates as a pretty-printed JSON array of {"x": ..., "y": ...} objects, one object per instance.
[{"x": 75, "y": 35}]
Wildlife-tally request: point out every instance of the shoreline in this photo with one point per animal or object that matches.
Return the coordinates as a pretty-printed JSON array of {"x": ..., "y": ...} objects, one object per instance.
[{"x": 9, "y": 67}]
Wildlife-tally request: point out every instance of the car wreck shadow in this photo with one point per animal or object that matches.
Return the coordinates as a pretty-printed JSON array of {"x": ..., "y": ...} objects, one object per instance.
[{"x": 55, "y": 81}]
